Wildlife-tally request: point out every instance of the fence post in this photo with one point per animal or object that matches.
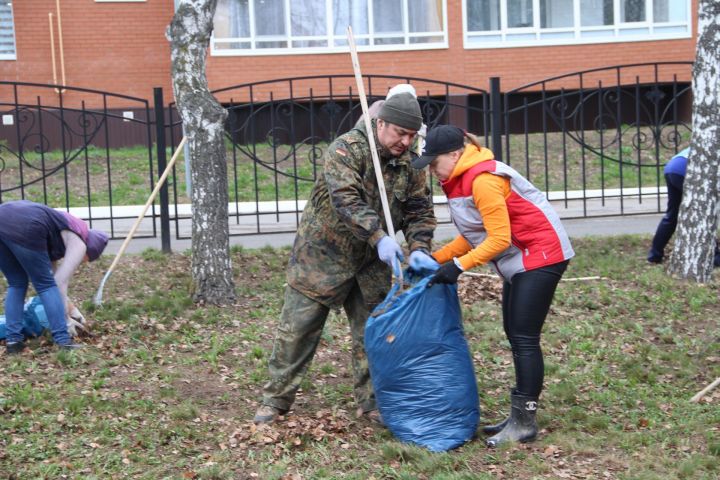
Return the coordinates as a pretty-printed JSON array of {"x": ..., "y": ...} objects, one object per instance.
[
  {"x": 496, "y": 117},
  {"x": 162, "y": 163}
]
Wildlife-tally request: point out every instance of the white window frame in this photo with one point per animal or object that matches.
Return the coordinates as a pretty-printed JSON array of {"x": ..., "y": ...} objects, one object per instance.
[
  {"x": 621, "y": 32},
  {"x": 11, "y": 56},
  {"x": 289, "y": 38}
]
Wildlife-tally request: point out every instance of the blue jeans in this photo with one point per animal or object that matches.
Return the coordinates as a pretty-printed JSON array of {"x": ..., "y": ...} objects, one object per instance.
[
  {"x": 20, "y": 265},
  {"x": 667, "y": 225}
]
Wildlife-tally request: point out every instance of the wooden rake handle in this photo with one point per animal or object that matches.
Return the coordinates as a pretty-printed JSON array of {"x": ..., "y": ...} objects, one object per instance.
[
  {"x": 149, "y": 202},
  {"x": 696, "y": 398},
  {"x": 371, "y": 140}
]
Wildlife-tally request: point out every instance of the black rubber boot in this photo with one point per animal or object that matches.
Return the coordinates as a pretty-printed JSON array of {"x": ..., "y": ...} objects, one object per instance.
[
  {"x": 521, "y": 426},
  {"x": 493, "y": 429}
]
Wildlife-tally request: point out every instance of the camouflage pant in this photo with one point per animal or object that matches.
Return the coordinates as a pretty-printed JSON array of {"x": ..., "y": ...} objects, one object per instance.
[{"x": 301, "y": 325}]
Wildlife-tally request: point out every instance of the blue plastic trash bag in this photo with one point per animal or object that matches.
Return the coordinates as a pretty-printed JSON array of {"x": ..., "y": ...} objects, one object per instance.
[
  {"x": 34, "y": 319},
  {"x": 421, "y": 367}
]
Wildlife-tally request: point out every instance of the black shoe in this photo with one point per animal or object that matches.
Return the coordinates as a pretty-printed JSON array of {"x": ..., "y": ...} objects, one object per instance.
[
  {"x": 71, "y": 346},
  {"x": 521, "y": 426},
  {"x": 654, "y": 259},
  {"x": 497, "y": 428},
  {"x": 14, "y": 348}
]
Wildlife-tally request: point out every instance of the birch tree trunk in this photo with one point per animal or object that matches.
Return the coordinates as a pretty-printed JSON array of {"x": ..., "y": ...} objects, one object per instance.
[
  {"x": 692, "y": 255},
  {"x": 203, "y": 121}
]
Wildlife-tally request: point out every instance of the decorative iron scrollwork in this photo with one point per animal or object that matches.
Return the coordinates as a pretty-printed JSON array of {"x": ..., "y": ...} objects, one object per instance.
[
  {"x": 648, "y": 126},
  {"x": 77, "y": 130},
  {"x": 331, "y": 108}
]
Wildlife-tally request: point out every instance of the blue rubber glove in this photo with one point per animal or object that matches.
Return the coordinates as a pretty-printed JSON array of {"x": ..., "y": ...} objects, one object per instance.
[
  {"x": 421, "y": 261},
  {"x": 389, "y": 251}
]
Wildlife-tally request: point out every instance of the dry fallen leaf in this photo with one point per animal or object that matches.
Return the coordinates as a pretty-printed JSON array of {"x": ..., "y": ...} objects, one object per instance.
[
  {"x": 551, "y": 451},
  {"x": 473, "y": 289}
]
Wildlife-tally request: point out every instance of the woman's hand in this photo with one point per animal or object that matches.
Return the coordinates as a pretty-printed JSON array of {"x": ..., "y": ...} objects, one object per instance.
[
  {"x": 447, "y": 273},
  {"x": 74, "y": 319}
]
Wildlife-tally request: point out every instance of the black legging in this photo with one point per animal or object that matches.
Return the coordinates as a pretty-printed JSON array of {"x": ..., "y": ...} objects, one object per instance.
[{"x": 525, "y": 304}]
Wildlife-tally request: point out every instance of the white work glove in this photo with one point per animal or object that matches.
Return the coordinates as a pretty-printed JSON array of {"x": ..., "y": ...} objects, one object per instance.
[{"x": 74, "y": 320}]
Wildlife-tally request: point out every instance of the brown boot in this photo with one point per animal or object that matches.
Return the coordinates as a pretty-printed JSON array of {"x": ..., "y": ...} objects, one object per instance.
[
  {"x": 267, "y": 414},
  {"x": 372, "y": 416}
]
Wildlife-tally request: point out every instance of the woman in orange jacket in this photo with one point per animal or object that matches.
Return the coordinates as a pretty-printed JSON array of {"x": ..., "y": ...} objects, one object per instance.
[{"x": 505, "y": 221}]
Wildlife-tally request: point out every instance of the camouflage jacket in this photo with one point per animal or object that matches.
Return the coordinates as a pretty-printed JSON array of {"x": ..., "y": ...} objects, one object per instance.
[{"x": 343, "y": 221}]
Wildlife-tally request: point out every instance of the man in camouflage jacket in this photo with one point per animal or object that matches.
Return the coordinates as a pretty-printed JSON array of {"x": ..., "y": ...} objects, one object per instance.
[{"x": 334, "y": 260}]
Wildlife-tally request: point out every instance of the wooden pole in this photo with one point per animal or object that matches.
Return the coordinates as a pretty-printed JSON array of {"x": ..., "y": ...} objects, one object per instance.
[
  {"x": 371, "y": 137},
  {"x": 696, "y": 398},
  {"x": 160, "y": 182},
  {"x": 60, "y": 44},
  {"x": 52, "y": 49},
  {"x": 572, "y": 279}
]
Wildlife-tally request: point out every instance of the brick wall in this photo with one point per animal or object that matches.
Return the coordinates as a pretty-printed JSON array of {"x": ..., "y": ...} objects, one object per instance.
[
  {"x": 116, "y": 47},
  {"x": 121, "y": 47}
]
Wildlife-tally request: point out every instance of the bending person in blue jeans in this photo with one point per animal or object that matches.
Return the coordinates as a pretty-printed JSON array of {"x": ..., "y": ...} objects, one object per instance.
[
  {"x": 33, "y": 237},
  {"x": 674, "y": 179}
]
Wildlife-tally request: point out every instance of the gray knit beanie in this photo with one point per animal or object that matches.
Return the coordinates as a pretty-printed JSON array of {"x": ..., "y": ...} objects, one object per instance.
[{"x": 403, "y": 110}]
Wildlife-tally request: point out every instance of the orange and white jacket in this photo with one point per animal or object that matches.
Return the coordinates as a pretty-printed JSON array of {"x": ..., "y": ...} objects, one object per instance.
[{"x": 502, "y": 218}]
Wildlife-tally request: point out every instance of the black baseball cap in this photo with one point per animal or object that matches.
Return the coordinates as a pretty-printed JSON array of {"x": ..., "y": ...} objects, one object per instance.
[{"x": 439, "y": 140}]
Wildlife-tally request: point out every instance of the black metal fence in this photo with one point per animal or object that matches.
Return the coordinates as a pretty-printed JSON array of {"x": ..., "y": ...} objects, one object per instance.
[
  {"x": 595, "y": 146},
  {"x": 598, "y": 146},
  {"x": 276, "y": 144},
  {"x": 57, "y": 151}
]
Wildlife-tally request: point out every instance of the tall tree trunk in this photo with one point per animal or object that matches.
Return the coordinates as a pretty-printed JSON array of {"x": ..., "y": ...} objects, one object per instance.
[
  {"x": 692, "y": 255},
  {"x": 203, "y": 121}
]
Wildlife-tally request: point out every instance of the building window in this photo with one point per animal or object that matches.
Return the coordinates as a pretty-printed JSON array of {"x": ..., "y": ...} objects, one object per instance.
[
  {"x": 7, "y": 31},
  {"x": 515, "y": 23},
  {"x": 262, "y": 27}
]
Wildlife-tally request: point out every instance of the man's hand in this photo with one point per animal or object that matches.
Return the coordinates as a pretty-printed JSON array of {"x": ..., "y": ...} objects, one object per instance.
[
  {"x": 447, "y": 273},
  {"x": 420, "y": 261},
  {"x": 390, "y": 252}
]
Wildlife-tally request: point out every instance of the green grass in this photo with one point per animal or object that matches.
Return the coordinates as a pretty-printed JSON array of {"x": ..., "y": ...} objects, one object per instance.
[
  {"x": 123, "y": 176},
  {"x": 167, "y": 389},
  {"x": 540, "y": 158},
  {"x": 284, "y": 173}
]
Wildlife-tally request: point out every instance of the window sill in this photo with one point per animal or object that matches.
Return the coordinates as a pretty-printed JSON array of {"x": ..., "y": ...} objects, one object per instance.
[
  {"x": 477, "y": 45},
  {"x": 324, "y": 51}
]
